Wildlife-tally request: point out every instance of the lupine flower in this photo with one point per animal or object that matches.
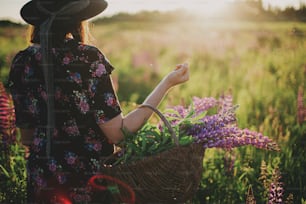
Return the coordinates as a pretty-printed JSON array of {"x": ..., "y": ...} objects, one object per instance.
[
  {"x": 276, "y": 193},
  {"x": 250, "y": 199},
  {"x": 201, "y": 105},
  {"x": 218, "y": 130},
  {"x": 276, "y": 190},
  {"x": 7, "y": 119},
  {"x": 263, "y": 175}
]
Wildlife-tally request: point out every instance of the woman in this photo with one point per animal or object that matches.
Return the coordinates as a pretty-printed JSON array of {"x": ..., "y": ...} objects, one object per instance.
[{"x": 66, "y": 107}]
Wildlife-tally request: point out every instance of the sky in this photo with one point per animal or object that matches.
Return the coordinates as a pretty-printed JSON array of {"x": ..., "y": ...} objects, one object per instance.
[{"x": 10, "y": 9}]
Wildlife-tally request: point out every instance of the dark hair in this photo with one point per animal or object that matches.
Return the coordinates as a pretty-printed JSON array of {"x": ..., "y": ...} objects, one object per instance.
[{"x": 78, "y": 31}]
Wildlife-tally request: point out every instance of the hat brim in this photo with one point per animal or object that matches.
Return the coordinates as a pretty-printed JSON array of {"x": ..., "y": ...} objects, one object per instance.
[{"x": 32, "y": 15}]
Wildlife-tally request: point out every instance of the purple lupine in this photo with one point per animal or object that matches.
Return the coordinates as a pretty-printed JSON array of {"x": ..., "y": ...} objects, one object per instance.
[
  {"x": 203, "y": 104},
  {"x": 218, "y": 130},
  {"x": 276, "y": 190},
  {"x": 276, "y": 193},
  {"x": 226, "y": 102}
]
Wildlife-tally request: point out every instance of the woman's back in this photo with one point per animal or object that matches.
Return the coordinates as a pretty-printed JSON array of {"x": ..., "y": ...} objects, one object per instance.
[{"x": 84, "y": 98}]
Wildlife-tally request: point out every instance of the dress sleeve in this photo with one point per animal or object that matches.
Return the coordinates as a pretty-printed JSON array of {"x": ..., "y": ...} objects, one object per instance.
[
  {"x": 25, "y": 102},
  {"x": 105, "y": 104}
]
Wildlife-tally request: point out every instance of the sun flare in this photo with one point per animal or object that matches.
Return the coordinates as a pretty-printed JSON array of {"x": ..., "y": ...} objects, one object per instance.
[
  {"x": 214, "y": 8},
  {"x": 211, "y": 8}
]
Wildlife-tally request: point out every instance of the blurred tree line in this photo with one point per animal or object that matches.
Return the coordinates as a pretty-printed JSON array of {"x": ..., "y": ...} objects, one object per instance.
[{"x": 252, "y": 10}]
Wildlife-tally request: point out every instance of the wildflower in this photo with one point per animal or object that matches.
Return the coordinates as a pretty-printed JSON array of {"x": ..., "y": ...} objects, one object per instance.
[
  {"x": 250, "y": 196},
  {"x": 7, "y": 119},
  {"x": 201, "y": 105},
  {"x": 276, "y": 190},
  {"x": 220, "y": 130}
]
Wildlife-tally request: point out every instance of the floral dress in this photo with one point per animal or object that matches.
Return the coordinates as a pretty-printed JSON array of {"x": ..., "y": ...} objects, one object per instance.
[{"x": 84, "y": 98}]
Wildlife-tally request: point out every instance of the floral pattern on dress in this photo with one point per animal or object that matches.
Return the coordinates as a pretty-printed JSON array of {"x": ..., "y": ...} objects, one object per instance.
[
  {"x": 92, "y": 142},
  {"x": 59, "y": 96},
  {"x": 110, "y": 100},
  {"x": 92, "y": 87},
  {"x": 81, "y": 101},
  {"x": 71, "y": 128},
  {"x": 38, "y": 178},
  {"x": 84, "y": 98},
  {"x": 73, "y": 160},
  {"x": 52, "y": 165},
  {"x": 74, "y": 77},
  {"x": 97, "y": 69},
  {"x": 68, "y": 58},
  {"x": 32, "y": 104},
  {"x": 28, "y": 72},
  {"x": 95, "y": 165},
  {"x": 38, "y": 141},
  {"x": 100, "y": 117}
]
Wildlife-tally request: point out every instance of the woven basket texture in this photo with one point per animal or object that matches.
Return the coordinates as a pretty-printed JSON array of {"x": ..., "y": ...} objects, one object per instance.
[{"x": 172, "y": 176}]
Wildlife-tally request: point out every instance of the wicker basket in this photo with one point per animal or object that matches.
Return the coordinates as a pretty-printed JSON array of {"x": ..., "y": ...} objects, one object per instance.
[{"x": 173, "y": 176}]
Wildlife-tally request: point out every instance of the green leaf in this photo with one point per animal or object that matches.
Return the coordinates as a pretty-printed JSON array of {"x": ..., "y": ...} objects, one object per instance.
[
  {"x": 5, "y": 172},
  {"x": 186, "y": 140}
]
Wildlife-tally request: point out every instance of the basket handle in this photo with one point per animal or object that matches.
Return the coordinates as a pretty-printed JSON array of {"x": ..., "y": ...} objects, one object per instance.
[{"x": 166, "y": 122}]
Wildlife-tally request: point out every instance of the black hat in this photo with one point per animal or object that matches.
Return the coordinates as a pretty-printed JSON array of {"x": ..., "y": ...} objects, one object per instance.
[{"x": 36, "y": 12}]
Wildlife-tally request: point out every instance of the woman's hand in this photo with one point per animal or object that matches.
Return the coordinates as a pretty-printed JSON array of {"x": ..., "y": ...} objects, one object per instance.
[
  {"x": 178, "y": 76},
  {"x": 134, "y": 120}
]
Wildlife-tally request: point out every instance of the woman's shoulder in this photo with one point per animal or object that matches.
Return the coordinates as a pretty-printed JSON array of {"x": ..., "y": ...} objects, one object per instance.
[
  {"x": 84, "y": 49},
  {"x": 89, "y": 54},
  {"x": 91, "y": 50},
  {"x": 73, "y": 44},
  {"x": 26, "y": 54}
]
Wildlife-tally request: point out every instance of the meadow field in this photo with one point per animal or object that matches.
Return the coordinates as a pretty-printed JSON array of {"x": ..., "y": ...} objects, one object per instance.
[{"x": 263, "y": 66}]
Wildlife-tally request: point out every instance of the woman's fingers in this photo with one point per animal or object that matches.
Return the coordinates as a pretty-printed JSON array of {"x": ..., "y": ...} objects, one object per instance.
[
  {"x": 180, "y": 66},
  {"x": 179, "y": 75}
]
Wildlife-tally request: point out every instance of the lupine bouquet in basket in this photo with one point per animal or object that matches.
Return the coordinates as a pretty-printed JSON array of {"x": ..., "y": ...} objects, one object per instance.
[{"x": 208, "y": 121}]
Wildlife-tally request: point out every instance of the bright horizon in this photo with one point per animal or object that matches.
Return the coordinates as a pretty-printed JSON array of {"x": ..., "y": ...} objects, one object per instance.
[{"x": 11, "y": 9}]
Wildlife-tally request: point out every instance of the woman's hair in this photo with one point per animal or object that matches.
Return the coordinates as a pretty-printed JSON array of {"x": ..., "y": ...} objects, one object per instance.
[{"x": 78, "y": 31}]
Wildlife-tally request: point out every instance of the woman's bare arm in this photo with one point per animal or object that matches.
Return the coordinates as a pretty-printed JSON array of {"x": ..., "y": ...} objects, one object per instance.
[{"x": 134, "y": 120}]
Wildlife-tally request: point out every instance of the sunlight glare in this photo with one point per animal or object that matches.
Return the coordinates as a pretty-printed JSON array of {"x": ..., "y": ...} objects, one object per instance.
[{"x": 212, "y": 8}]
